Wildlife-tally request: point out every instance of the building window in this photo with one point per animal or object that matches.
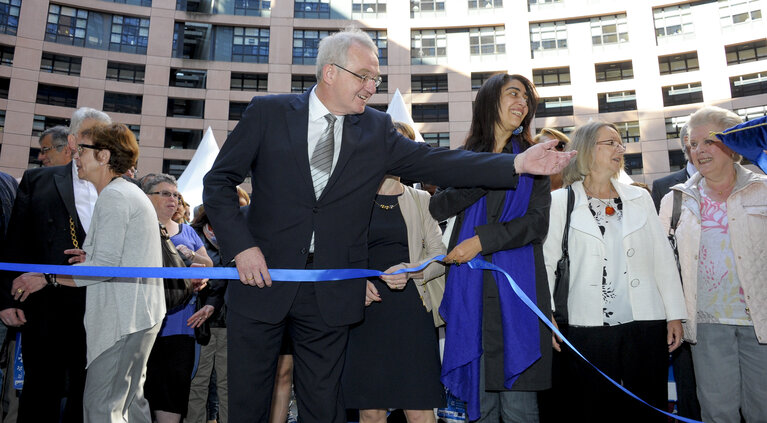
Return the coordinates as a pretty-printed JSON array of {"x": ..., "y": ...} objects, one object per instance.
[
  {"x": 748, "y": 52},
  {"x": 380, "y": 39},
  {"x": 610, "y": 29},
  {"x": 548, "y": 36},
  {"x": 379, "y": 107},
  {"x": 178, "y": 138},
  {"x": 674, "y": 126},
  {"x": 633, "y": 163},
  {"x": 678, "y": 63},
  {"x": 317, "y": 9},
  {"x": 485, "y": 4},
  {"x": 614, "y": 71},
  {"x": 437, "y": 139},
  {"x": 542, "y": 2},
  {"x": 190, "y": 40},
  {"x": 751, "y": 113},
  {"x": 305, "y": 44},
  {"x": 673, "y": 20},
  {"x": 32, "y": 162},
  {"x": 551, "y": 77},
  {"x": 368, "y": 8},
  {"x": 236, "y": 109},
  {"x": 428, "y": 83},
  {"x": 9, "y": 16},
  {"x": 125, "y": 72},
  {"x": 438, "y": 112},
  {"x": 252, "y": 7},
  {"x": 185, "y": 108},
  {"x": 428, "y": 46},
  {"x": 59, "y": 63},
  {"x": 487, "y": 41},
  {"x": 249, "y": 81},
  {"x": 122, "y": 103},
  {"x": 629, "y": 131},
  {"x": 682, "y": 94},
  {"x": 619, "y": 101},
  {"x": 479, "y": 78},
  {"x": 187, "y": 78},
  {"x": 384, "y": 87},
  {"x": 136, "y": 129},
  {"x": 41, "y": 123},
  {"x": 129, "y": 34},
  {"x": 5, "y": 84},
  {"x": 6, "y": 55},
  {"x": 301, "y": 83},
  {"x": 250, "y": 45},
  {"x": 174, "y": 167},
  {"x": 66, "y": 25},
  {"x": 733, "y": 12},
  {"x": 746, "y": 85},
  {"x": 145, "y": 3},
  {"x": 55, "y": 95},
  {"x": 427, "y": 7},
  {"x": 676, "y": 160},
  {"x": 567, "y": 130},
  {"x": 555, "y": 106}
]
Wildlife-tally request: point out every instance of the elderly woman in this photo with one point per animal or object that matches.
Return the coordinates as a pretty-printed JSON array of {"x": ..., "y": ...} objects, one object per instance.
[
  {"x": 721, "y": 237},
  {"x": 169, "y": 371},
  {"x": 392, "y": 359},
  {"x": 122, "y": 315},
  {"x": 507, "y": 227},
  {"x": 625, "y": 301}
]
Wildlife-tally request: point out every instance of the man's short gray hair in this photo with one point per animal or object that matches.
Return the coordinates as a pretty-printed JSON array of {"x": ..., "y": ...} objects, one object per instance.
[
  {"x": 335, "y": 47},
  {"x": 58, "y": 135},
  {"x": 83, "y": 113},
  {"x": 151, "y": 180},
  {"x": 685, "y": 145}
]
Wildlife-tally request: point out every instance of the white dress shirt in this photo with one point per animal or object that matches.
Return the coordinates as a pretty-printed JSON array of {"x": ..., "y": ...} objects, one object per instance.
[{"x": 85, "y": 199}]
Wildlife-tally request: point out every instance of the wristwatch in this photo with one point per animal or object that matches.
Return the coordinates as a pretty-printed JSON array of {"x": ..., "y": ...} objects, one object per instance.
[{"x": 51, "y": 279}]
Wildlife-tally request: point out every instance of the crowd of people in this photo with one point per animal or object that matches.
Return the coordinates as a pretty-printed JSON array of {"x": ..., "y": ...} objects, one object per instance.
[{"x": 327, "y": 194}]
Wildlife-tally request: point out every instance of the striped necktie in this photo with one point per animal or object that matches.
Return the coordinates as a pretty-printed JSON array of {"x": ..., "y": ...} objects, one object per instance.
[{"x": 322, "y": 158}]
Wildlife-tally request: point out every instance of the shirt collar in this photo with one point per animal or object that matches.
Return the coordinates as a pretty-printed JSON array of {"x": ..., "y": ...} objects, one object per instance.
[{"x": 317, "y": 110}]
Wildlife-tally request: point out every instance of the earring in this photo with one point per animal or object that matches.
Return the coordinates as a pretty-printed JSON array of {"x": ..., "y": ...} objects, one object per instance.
[{"x": 519, "y": 130}]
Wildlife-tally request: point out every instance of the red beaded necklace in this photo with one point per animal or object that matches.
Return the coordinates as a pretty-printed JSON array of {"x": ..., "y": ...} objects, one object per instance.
[{"x": 609, "y": 210}]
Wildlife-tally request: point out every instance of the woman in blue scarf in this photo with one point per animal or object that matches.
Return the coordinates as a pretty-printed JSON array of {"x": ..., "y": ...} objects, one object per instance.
[{"x": 493, "y": 341}]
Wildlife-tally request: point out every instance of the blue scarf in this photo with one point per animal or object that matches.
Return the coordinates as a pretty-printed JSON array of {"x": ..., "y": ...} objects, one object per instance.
[{"x": 462, "y": 306}]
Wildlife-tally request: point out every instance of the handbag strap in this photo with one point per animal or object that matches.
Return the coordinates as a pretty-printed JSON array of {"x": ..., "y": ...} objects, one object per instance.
[
  {"x": 570, "y": 204},
  {"x": 675, "y": 212}
]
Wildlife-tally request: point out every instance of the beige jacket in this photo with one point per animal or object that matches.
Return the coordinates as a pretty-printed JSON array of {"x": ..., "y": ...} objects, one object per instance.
[
  {"x": 424, "y": 239},
  {"x": 747, "y": 217}
]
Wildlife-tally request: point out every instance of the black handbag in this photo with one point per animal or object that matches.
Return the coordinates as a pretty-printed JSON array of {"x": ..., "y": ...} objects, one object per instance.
[
  {"x": 178, "y": 292},
  {"x": 562, "y": 272},
  {"x": 676, "y": 211}
]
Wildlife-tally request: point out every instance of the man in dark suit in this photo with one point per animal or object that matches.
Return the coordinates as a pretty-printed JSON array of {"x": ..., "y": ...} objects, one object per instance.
[
  {"x": 681, "y": 358},
  {"x": 311, "y": 210},
  {"x": 50, "y": 215}
]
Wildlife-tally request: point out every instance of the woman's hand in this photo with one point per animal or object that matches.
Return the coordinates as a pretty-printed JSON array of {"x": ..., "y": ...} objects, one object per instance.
[
  {"x": 371, "y": 294},
  {"x": 465, "y": 251},
  {"x": 555, "y": 340},
  {"x": 78, "y": 255},
  {"x": 198, "y": 284},
  {"x": 675, "y": 333},
  {"x": 198, "y": 318},
  {"x": 397, "y": 281},
  {"x": 26, "y": 284},
  {"x": 185, "y": 252}
]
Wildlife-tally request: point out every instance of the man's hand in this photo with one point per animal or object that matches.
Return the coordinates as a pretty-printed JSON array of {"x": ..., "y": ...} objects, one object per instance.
[
  {"x": 13, "y": 317},
  {"x": 251, "y": 265},
  {"x": 198, "y": 284},
  {"x": 371, "y": 294},
  {"x": 465, "y": 251},
  {"x": 397, "y": 281},
  {"x": 674, "y": 334},
  {"x": 78, "y": 255},
  {"x": 542, "y": 159},
  {"x": 26, "y": 284}
]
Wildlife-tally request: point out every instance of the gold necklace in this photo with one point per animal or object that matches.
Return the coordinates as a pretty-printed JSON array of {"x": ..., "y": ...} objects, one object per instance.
[{"x": 386, "y": 206}]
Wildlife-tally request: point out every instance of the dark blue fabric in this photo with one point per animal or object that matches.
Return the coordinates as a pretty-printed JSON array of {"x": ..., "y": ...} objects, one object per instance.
[
  {"x": 462, "y": 306},
  {"x": 748, "y": 139}
]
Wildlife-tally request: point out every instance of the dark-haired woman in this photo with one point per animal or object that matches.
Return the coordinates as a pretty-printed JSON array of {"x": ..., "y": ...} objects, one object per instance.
[
  {"x": 507, "y": 228},
  {"x": 122, "y": 315}
]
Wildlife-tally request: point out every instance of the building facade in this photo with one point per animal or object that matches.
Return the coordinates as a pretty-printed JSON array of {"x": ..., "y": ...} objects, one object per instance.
[{"x": 172, "y": 68}]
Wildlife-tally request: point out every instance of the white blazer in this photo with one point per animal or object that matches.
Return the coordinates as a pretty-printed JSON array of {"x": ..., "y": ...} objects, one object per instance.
[{"x": 655, "y": 290}]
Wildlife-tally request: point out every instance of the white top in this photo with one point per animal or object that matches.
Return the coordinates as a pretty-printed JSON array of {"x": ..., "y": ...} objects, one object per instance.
[{"x": 85, "y": 199}]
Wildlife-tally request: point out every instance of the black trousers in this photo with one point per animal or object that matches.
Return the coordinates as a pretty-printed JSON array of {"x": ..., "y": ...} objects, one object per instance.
[{"x": 318, "y": 359}]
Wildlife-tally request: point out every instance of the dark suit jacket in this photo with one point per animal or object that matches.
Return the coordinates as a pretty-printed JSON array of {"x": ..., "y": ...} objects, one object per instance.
[
  {"x": 661, "y": 186},
  {"x": 270, "y": 144},
  {"x": 39, "y": 232}
]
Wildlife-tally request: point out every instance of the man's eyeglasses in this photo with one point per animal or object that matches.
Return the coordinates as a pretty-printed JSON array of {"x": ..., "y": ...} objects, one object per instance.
[
  {"x": 82, "y": 147},
  {"x": 365, "y": 78},
  {"x": 165, "y": 194},
  {"x": 45, "y": 150},
  {"x": 614, "y": 144}
]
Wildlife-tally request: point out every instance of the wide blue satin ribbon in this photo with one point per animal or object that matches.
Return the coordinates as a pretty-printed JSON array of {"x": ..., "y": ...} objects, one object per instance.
[{"x": 301, "y": 275}]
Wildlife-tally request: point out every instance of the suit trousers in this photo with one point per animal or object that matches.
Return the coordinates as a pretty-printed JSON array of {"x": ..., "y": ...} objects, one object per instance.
[
  {"x": 319, "y": 352},
  {"x": 212, "y": 356},
  {"x": 114, "y": 388}
]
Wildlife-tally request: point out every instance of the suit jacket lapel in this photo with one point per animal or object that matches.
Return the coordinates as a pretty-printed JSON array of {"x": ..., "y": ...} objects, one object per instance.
[
  {"x": 297, "y": 124},
  {"x": 350, "y": 140}
]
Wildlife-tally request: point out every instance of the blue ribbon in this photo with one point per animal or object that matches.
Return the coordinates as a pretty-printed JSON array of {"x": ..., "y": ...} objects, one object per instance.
[{"x": 302, "y": 275}]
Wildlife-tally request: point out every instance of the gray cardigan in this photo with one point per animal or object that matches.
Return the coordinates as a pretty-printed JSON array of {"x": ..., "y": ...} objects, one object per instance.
[{"x": 123, "y": 232}]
